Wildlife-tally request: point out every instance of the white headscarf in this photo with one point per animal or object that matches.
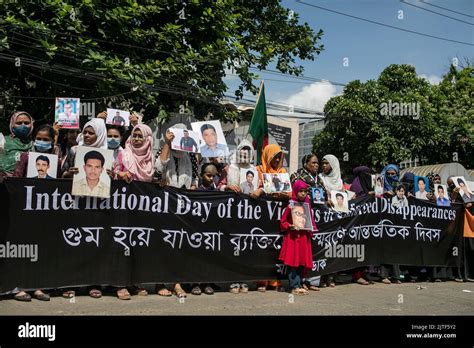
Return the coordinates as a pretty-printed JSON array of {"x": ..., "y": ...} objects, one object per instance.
[
  {"x": 332, "y": 181},
  {"x": 233, "y": 174},
  {"x": 100, "y": 130}
]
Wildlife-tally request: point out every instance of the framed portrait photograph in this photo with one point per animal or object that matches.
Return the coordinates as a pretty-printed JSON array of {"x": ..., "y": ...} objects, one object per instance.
[
  {"x": 317, "y": 195},
  {"x": 117, "y": 117},
  {"x": 185, "y": 140},
  {"x": 377, "y": 184},
  {"x": 276, "y": 183},
  {"x": 340, "y": 201},
  {"x": 441, "y": 194},
  {"x": 464, "y": 190},
  {"x": 301, "y": 216},
  {"x": 66, "y": 112},
  {"x": 248, "y": 180},
  {"x": 92, "y": 179},
  {"x": 213, "y": 143},
  {"x": 421, "y": 187},
  {"x": 42, "y": 165}
]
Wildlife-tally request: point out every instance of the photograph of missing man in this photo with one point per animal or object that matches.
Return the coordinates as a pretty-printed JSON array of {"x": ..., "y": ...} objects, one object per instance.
[
  {"x": 212, "y": 138},
  {"x": 117, "y": 117},
  {"x": 340, "y": 201},
  {"x": 276, "y": 183},
  {"x": 301, "y": 216},
  {"x": 67, "y": 112},
  {"x": 464, "y": 190},
  {"x": 441, "y": 194},
  {"x": 377, "y": 185},
  {"x": 42, "y": 166},
  {"x": 185, "y": 140},
  {"x": 317, "y": 193},
  {"x": 248, "y": 180},
  {"x": 92, "y": 179},
  {"x": 421, "y": 187}
]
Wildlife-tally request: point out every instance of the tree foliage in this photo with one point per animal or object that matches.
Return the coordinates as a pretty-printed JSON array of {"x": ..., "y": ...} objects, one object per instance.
[
  {"x": 151, "y": 55},
  {"x": 359, "y": 128}
]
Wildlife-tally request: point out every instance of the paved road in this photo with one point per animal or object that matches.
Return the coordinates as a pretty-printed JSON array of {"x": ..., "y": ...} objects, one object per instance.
[{"x": 448, "y": 298}]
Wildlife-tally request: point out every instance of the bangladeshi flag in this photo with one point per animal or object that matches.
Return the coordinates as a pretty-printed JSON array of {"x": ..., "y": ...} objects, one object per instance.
[{"x": 258, "y": 126}]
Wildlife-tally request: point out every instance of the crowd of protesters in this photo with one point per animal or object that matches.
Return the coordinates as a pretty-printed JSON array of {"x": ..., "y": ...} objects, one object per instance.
[{"x": 134, "y": 160}]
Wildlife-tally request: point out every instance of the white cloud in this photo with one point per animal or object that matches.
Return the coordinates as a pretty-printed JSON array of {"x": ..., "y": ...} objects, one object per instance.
[
  {"x": 313, "y": 96},
  {"x": 433, "y": 79}
]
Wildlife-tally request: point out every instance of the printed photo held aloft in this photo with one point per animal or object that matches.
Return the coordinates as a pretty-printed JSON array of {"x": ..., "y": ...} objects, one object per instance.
[
  {"x": 441, "y": 194},
  {"x": 117, "y": 117},
  {"x": 377, "y": 184},
  {"x": 421, "y": 187},
  {"x": 340, "y": 201},
  {"x": 185, "y": 140},
  {"x": 248, "y": 180},
  {"x": 276, "y": 183},
  {"x": 301, "y": 216},
  {"x": 317, "y": 194},
  {"x": 213, "y": 143},
  {"x": 92, "y": 179},
  {"x": 464, "y": 191},
  {"x": 42, "y": 165},
  {"x": 67, "y": 112}
]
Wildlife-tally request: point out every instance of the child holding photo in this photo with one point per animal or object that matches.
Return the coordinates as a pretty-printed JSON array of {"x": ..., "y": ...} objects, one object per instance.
[{"x": 296, "y": 249}]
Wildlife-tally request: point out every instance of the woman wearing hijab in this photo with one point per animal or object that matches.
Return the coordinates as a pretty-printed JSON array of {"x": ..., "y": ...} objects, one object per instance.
[
  {"x": 19, "y": 141},
  {"x": 176, "y": 167},
  {"x": 391, "y": 178},
  {"x": 43, "y": 143},
  {"x": 94, "y": 134},
  {"x": 138, "y": 158},
  {"x": 408, "y": 181},
  {"x": 331, "y": 175},
  {"x": 272, "y": 163},
  {"x": 362, "y": 182},
  {"x": 331, "y": 179}
]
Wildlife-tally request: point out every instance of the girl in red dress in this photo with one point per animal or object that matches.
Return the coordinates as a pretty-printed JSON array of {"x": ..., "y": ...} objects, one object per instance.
[{"x": 296, "y": 249}]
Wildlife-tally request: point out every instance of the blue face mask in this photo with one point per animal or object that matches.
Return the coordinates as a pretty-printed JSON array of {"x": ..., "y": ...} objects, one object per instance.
[
  {"x": 21, "y": 131},
  {"x": 42, "y": 146},
  {"x": 113, "y": 143}
]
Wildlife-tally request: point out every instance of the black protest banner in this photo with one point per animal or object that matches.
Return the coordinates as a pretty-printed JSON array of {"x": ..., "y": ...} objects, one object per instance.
[{"x": 147, "y": 234}]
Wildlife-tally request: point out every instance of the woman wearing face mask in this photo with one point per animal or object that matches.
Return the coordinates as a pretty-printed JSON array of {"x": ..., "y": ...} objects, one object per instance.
[
  {"x": 21, "y": 127},
  {"x": 43, "y": 142},
  {"x": 114, "y": 139},
  {"x": 94, "y": 134}
]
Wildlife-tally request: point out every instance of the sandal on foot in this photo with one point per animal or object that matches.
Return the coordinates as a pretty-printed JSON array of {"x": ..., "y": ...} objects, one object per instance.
[
  {"x": 123, "y": 294},
  {"x": 310, "y": 287},
  {"x": 23, "y": 297},
  {"x": 40, "y": 295},
  {"x": 95, "y": 293},
  {"x": 142, "y": 292},
  {"x": 262, "y": 288},
  {"x": 69, "y": 294},
  {"x": 209, "y": 290},
  {"x": 234, "y": 288},
  {"x": 196, "y": 290},
  {"x": 164, "y": 292},
  {"x": 298, "y": 291},
  {"x": 244, "y": 288},
  {"x": 386, "y": 281},
  {"x": 179, "y": 292},
  {"x": 362, "y": 281}
]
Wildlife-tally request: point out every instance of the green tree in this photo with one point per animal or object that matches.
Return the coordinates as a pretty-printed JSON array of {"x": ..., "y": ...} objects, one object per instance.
[
  {"x": 153, "y": 55},
  {"x": 364, "y": 125}
]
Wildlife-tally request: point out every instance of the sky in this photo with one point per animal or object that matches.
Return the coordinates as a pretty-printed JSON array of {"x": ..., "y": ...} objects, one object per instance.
[{"x": 368, "y": 48}]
